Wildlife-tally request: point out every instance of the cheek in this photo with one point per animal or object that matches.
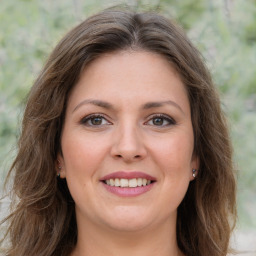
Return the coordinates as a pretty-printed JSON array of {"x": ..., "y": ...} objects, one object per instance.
[
  {"x": 174, "y": 160},
  {"x": 81, "y": 160},
  {"x": 82, "y": 153},
  {"x": 175, "y": 154},
  {"x": 175, "y": 163}
]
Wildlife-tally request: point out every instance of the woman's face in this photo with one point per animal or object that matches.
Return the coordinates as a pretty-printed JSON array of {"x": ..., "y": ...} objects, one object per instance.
[{"x": 127, "y": 142}]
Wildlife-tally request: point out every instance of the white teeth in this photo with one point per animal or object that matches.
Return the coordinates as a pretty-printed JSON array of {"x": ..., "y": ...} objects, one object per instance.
[
  {"x": 117, "y": 183},
  {"x": 124, "y": 183},
  {"x": 112, "y": 182},
  {"x": 131, "y": 183}
]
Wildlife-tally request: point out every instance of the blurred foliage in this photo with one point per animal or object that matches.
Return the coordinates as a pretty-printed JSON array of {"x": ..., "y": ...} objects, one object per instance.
[{"x": 223, "y": 30}]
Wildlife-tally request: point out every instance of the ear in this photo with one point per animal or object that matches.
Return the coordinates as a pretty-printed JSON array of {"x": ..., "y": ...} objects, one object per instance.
[
  {"x": 195, "y": 165},
  {"x": 60, "y": 166}
]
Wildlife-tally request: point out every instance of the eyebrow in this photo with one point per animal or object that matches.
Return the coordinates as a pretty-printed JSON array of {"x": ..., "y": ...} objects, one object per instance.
[
  {"x": 148, "y": 105},
  {"x": 158, "y": 104},
  {"x": 98, "y": 103}
]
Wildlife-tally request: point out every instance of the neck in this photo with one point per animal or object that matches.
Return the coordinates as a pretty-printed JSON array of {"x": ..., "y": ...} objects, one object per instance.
[{"x": 96, "y": 241}]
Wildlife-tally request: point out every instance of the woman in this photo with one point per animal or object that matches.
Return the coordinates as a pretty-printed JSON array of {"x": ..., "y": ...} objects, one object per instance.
[{"x": 126, "y": 116}]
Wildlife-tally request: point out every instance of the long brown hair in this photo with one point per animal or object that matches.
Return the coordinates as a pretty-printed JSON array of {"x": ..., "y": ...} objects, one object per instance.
[{"x": 43, "y": 220}]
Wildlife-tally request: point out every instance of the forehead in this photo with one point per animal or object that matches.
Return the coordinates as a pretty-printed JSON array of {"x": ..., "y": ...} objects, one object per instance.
[{"x": 130, "y": 77}]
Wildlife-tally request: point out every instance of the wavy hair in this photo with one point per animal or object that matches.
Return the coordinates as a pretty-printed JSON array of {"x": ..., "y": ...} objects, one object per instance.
[{"x": 43, "y": 221}]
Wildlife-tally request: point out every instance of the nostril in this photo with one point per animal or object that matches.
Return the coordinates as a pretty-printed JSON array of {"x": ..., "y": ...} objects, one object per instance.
[{"x": 135, "y": 157}]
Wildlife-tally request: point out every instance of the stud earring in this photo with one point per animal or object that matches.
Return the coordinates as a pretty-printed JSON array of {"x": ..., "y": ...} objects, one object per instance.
[
  {"x": 194, "y": 173},
  {"x": 59, "y": 168}
]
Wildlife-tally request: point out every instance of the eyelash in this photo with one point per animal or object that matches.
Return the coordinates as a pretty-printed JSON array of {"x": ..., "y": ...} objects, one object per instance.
[
  {"x": 169, "y": 119},
  {"x": 86, "y": 119}
]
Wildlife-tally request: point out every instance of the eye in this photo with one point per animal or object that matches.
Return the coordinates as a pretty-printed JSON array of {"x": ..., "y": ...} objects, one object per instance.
[
  {"x": 95, "y": 120},
  {"x": 161, "y": 120}
]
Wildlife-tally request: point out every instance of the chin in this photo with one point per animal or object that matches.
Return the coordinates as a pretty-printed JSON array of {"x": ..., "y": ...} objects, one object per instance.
[
  {"x": 128, "y": 226},
  {"x": 129, "y": 219}
]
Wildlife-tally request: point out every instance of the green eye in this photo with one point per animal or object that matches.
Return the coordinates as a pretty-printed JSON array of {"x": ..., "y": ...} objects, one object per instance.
[
  {"x": 161, "y": 120},
  {"x": 158, "y": 121},
  {"x": 96, "y": 120}
]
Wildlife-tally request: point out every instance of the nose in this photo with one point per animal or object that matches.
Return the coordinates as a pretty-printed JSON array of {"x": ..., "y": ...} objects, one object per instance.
[{"x": 128, "y": 144}]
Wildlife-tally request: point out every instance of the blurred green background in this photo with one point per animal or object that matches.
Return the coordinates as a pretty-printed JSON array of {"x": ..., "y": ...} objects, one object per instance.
[{"x": 223, "y": 30}]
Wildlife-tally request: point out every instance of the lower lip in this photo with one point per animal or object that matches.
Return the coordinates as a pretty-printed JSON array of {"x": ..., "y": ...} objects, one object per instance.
[{"x": 128, "y": 192}]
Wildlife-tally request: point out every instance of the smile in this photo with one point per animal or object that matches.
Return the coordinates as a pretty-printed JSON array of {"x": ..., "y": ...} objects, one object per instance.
[{"x": 128, "y": 183}]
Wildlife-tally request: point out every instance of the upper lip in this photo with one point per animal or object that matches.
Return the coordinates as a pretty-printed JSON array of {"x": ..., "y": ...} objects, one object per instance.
[{"x": 128, "y": 175}]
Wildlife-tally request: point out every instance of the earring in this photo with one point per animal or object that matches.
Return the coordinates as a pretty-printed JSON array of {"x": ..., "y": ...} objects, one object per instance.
[
  {"x": 58, "y": 174},
  {"x": 194, "y": 173}
]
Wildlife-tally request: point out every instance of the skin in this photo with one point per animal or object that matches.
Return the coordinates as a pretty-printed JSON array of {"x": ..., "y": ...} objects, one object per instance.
[{"x": 128, "y": 137}]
